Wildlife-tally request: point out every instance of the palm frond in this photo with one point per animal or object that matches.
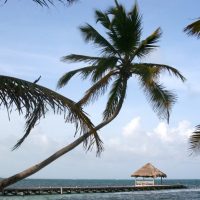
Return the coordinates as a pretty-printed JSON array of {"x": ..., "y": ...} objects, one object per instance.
[
  {"x": 103, "y": 19},
  {"x": 136, "y": 23},
  {"x": 147, "y": 45},
  {"x": 85, "y": 72},
  {"x": 104, "y": 65},
  {"x": 80, "y": 58},
  {"x": 153, "y": 70},
  {"x": 126, "y": 28},
  {"x": 118, "y": 9},
  {"x": 123, "y": 44},
  {"x": 91, "y": 34},
  {"x": 34, "y": 101},
  {"x": 116, "y": 98},
  {"x": 161, "y": 99},
  {"x": 98, "y": 89},
  {"x": 31, "y": 120},
  {"x": 195, "y": 140},
  {"x": 47, "y": 3},
  {"x": 99, "y": 67},
  {"x": 193, "y": 28},
  {"x": 94, "y": 138}
]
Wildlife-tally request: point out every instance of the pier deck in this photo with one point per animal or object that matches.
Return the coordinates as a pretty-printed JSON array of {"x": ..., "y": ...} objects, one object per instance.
[{"x": 76, "y": 190}]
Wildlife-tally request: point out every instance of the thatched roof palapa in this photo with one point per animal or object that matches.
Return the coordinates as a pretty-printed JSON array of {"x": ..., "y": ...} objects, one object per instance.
[{"x": 148, "y": 170}]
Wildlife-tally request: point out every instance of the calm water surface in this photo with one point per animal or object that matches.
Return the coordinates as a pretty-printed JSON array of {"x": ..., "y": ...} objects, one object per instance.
[{"x": 193, "y": 191}]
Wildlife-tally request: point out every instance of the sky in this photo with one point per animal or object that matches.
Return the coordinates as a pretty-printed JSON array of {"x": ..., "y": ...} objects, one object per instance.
[{"x": 34, "y": 38}]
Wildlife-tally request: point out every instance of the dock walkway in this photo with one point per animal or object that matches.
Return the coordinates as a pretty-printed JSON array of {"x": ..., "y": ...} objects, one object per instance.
[{"x": 76, "y": 190}]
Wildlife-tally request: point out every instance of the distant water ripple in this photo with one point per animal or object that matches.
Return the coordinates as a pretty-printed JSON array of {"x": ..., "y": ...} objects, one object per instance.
[{"x": 192, "y": 193}]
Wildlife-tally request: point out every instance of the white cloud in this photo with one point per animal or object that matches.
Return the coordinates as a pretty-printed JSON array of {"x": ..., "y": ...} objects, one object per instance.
[
  {"x": 131, "y": 147},
  {"x": 162, "y": 141},
  {"x": 162, "y": 132},
  {"x": 132, "y": 127}
]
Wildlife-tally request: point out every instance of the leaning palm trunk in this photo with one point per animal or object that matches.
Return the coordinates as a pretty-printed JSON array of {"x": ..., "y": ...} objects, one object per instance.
[
  {"x": 115, "y": 65},
  {"x": 35, "y": 168},
  {"x": 34, "y": 101}
]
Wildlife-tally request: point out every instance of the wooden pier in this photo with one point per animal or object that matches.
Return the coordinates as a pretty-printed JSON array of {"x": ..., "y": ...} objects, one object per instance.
[{"x": 76, "y": 190}]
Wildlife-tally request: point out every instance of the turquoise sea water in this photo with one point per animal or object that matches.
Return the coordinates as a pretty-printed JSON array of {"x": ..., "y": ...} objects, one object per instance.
[{"x": 192, "y": 192}]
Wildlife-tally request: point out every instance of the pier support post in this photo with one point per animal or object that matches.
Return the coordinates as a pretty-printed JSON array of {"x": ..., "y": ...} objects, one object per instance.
[{"x": 61, "y": 190}]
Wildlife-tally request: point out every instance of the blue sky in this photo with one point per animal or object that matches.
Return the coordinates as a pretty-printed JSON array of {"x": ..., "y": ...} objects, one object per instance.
[{"x": 33, "y": 39}]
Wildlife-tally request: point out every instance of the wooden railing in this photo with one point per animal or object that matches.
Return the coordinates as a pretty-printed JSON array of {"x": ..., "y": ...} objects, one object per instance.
[{"x": 142, "y": 182}]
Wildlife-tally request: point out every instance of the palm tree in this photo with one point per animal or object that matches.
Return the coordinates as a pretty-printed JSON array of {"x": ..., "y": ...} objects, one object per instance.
[
  {"x": 46, "y": 3},
  {"x": 193, "y": 29},
  {"x": 116, "y": 64},
  {"x": 121, "y": 50},
  {"x": 120, "y": 53},
  {"x": 34, "y": 101}
]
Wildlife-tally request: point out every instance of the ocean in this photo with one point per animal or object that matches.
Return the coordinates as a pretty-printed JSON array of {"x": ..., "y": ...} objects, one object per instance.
[{"x": 192, "y": 192}]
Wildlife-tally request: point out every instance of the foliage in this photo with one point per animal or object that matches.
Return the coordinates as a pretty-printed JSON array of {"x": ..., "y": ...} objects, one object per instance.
[
  {"x": 34, "y": 101},
  {"x": 195, "y": 140},
  {"x": 120, "y": 50},
  {"x": 46, "y": 3},
  {"x": 193, "y": 29}
]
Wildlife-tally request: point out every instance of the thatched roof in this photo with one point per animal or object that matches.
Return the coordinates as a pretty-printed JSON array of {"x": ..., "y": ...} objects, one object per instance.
[{"x": 148, "y": 170}]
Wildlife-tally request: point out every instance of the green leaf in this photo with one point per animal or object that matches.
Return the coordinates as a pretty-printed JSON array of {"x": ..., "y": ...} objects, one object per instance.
[
  {"x": 195, "y": 140},
  {"x": 85, "y": 71},
  {"x": 193, "y": 29},
  {"x": 103, "y": 19},
  {"x": 104, "y": 65},
  {"x": 116, "y": 98},
  {"x": 34, "y": 101},
  {"x": 161, "y": 99},
  {"x": 80, "y": 58},
  {"x": 154, "y": 70},
  {"x": 147, "y": 45},
  {"x": 126, "y": 29},
  {"x": 91, "y": 34},
  {"x": 98, "y": 89},
  {"x": 46, "y": 3}
]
